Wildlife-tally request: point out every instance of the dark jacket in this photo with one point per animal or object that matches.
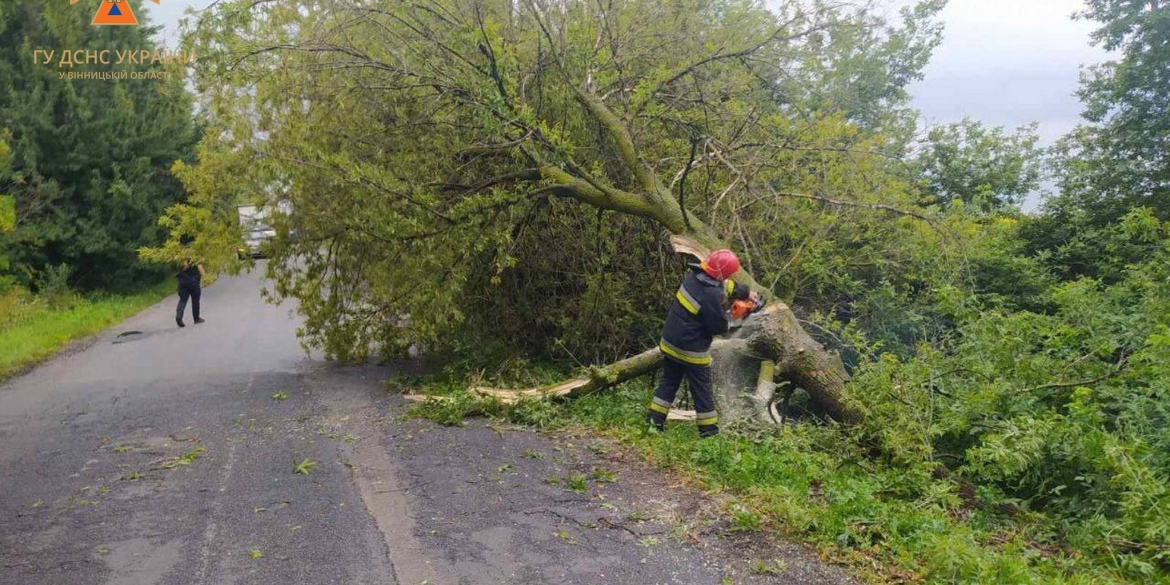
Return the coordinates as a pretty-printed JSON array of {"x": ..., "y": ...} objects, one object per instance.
[
  {"x": 697, "y": 314},
  {"x": 188, "y": 274}
]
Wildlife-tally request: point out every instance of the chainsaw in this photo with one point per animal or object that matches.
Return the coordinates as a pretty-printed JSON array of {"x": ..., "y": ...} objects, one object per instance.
[{"x": 741, "y": 309}]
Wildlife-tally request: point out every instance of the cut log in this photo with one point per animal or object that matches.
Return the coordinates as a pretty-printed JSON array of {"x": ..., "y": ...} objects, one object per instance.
[
  {"x": 765, "y": 391},
  {"x": 804, "y": 362},
  {"x": 684, "y": 245},
  {"x": 798, "y": 357},
  {"x": 509, "y": 396},
  {"x": 597, "y": 378}
]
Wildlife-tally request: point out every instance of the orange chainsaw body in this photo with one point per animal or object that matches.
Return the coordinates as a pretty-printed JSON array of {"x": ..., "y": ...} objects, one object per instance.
[{"x": 741, "y": 309}]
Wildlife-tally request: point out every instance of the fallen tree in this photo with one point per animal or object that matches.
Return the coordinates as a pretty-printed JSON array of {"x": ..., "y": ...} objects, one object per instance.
[
  {"x": 416, "y": 141},
  {"x": 773, "y": 339}
]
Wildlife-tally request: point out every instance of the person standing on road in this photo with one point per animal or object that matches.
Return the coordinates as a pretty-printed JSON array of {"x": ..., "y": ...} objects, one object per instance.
[
  {"x": 189, "y": 277},
  {"x": 696, "y": 316}
]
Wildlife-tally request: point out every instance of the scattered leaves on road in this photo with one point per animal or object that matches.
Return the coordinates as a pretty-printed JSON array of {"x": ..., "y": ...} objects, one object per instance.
[
  {"x": 304, "y": 467},
  {"x": 282, "y": 395},
  {"x": 185, "y": 459},
  {"x": 256, "y": 553}
]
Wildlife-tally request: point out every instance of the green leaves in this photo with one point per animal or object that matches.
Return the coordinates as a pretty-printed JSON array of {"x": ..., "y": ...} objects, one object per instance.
[
  {"x": 1116, "y": 161},
  {"x": 7, "y": 214},
  {"x": 981, "y": 167},
  {"x": 305, "y": 467},
  {"x": 1062, "y": 412}
]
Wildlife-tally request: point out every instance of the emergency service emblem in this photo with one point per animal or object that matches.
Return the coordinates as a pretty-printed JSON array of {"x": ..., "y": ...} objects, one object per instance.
[{"x": 114, "y": 13}]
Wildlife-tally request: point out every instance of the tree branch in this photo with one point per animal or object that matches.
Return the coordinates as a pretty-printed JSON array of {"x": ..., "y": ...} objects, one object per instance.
[
  {"x": 683, "y": 182},
  {"x": 844, "y": 203},
  {"x": 620, "y": 135}
]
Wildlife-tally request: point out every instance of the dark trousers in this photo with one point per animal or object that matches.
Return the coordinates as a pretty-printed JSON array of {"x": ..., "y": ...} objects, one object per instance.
[
  {"x": 699, "y": 382},
  {"x": 188, "y": 289}
]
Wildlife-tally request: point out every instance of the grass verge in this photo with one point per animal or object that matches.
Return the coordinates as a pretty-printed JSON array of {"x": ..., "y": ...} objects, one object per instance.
[
  {"x": 813, "y": 483},
  {"x": 33, "y": 331}
]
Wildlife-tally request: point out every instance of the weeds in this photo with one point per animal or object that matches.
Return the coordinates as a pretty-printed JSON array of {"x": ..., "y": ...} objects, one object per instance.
[
  {"x": 604, "y": 475},
  {"x": 744, "y": 519},
  {"x": 774, "y": 567},
  {"x": 819, "y": 484},
  {"x": 577, "y": 483}
]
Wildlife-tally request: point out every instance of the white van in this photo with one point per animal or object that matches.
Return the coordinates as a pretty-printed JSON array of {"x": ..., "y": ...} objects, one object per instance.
[{"x": 254, "y": 225}]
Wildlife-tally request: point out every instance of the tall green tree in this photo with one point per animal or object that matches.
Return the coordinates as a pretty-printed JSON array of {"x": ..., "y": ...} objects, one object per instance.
[
  {"x": 983, "y": 168},
  {"x": 862, "y": 64},
  {"x": 1122, "y": 159},
  {"x": 90, "y": 157},
  {"x": 1119, "y": 159}
]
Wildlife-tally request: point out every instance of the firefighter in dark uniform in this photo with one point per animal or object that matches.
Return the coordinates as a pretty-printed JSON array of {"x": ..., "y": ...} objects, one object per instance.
[{"x": 697, "y": 315}]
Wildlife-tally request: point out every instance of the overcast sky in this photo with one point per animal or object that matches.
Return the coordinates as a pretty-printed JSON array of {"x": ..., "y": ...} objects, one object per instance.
[
  {"x": 1003, "y": 62},
  {"x": 1009, "y": 62}
]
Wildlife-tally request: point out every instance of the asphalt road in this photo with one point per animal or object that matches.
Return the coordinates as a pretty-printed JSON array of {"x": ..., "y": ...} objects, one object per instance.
[{"x": 170, "y": 457}]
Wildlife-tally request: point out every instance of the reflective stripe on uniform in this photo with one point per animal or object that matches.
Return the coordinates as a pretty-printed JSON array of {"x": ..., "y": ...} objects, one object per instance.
[
  {"x": 687, "y": 301},
  {"x": 661, "y": 402},
  {"x": 704, "y": 419},
  {"x": 698, "y": 358},
  {"x": 659, "y": 408},
  {"x": 728, "y": 286}
]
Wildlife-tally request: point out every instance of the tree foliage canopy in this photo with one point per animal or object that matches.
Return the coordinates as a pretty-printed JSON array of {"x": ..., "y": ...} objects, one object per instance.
[
  {"x": 981, "y": 167},
  {"x": 421, "y": 143}
]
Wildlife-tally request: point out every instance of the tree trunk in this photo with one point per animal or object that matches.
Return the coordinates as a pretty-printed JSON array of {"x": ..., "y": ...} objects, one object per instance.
[
  {"x": 597, "y": 379},
  {"x": 774, "y": 337},
  {"x": 804, "y": 362}
]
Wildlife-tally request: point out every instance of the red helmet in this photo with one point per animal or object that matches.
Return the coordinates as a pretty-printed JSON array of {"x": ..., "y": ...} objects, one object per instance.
[{"x": 721, "y": 264}]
